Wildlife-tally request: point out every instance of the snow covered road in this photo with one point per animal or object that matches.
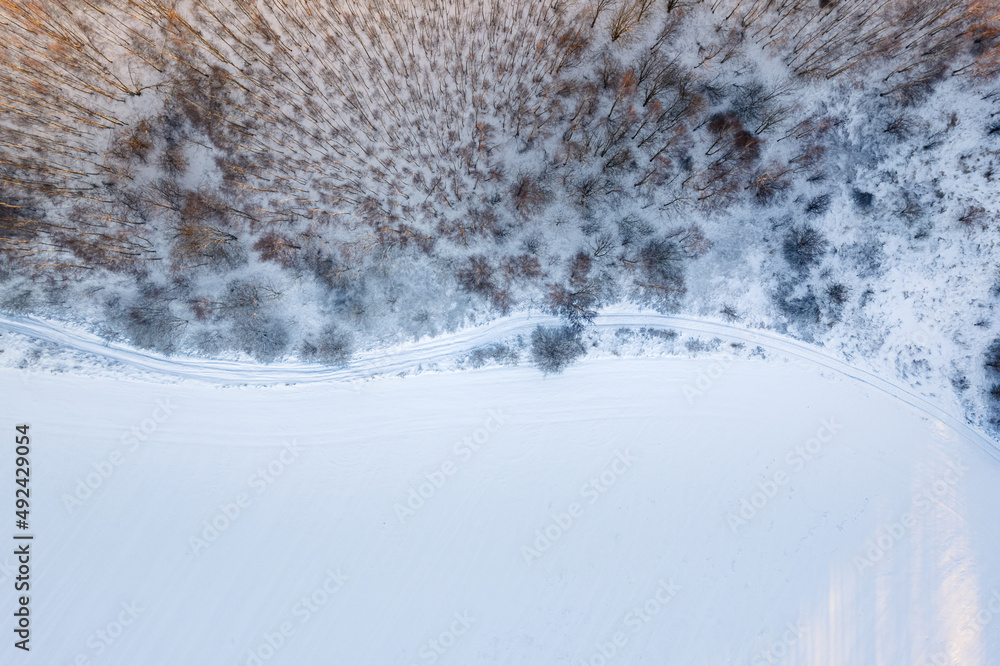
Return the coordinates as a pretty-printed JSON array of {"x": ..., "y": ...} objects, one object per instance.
[{"x": 431, "y": 352}]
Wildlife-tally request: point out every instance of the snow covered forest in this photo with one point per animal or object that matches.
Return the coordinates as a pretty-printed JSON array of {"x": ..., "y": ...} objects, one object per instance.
[{"x": 298, "y": 179}]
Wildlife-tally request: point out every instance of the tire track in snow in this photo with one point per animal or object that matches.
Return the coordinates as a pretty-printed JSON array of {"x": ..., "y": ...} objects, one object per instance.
[
  {"x": 796, "y": 349},
  {"x": 429, "y": 352}
]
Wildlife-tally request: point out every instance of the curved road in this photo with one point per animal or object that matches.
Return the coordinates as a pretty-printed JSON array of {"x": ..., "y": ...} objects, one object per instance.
[{"x": 452, "y": 346}]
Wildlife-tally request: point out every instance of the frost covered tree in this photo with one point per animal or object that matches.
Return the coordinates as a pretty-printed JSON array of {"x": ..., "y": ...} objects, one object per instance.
[{"x": 389, "y": 168}]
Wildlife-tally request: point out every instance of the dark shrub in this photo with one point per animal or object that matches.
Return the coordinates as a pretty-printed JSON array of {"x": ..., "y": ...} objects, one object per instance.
[
  {"x": 264, "y": 338},
  {"x": 661, "y": 263},
  {"x": 750, "y": 100},
  {"x": 818, "y": 205},
  {"x": 152, "y": 327},
  {"x": 632, "y": 229},
  {"x": 862, "y": 199},
  {"x": 553, "y": 348},
  {"x": 529, "y": 196},
  {"x": 803, "y": 312},
  {"x": 245, "y": 298},
  {"x": 278, "y": 248},
  {"x": 477, "y": 275},
  {"x": 22, "y": 301},
  {"x": 768, "y": 186},
  {"x": 803, "y": 247},
  {"x": 332, "y": 347},
  {"x": 803, "y": 309},
  {"x": 992, "y": 360},
  {"x": 576, "y": 306},
  {"x": 498, "y": 352},
  {"x": 838, "y": 293}
]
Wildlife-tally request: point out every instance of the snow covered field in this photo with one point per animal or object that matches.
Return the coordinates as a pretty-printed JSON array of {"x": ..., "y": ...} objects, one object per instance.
[{"x": 607, "y": 515}]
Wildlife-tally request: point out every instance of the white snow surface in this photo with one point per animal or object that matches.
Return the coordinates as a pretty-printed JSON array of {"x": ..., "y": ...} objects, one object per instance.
[{"x": 710, "y": 510}]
